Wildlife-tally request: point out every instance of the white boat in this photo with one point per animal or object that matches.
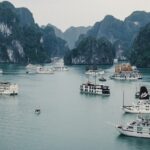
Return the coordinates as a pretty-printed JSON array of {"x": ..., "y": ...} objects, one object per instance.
[
  {"x": 130, "y": 76},
  {"x": 126, "y": 72},
  {"x": 138, "y": 108},
  {"x": 138, "y": 128},
  {"x": 61, "y": 68},
  {"x": 7, "y": 88},
  {"x": 115, "y": 61},
  {"x": 143, "y": 104},
  {"x": 43, "y": 70},
  {"x": 30, "y": 66},
  {"x": 102, "y": 79},
  {"x": 90, "y": 88},
  {"x": 94, "y": 72}
]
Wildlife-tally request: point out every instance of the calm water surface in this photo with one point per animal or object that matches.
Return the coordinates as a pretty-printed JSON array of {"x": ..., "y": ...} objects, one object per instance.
[{"x": 69, "y": 120}]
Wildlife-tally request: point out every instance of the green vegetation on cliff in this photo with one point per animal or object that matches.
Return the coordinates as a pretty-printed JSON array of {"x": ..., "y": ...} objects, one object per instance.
[
  {"x": 140, "y": 54},
  {"x": 91, "y": 51}
]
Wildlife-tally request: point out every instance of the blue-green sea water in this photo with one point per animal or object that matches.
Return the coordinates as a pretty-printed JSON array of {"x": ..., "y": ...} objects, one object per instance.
[{"x": 68, "y": 120}]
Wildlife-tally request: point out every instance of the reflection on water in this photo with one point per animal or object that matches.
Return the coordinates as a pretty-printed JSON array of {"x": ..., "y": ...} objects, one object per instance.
[{"x": 133, "y": 142}]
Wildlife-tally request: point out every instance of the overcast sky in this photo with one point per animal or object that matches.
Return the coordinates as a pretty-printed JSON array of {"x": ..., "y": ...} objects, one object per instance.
[{"x": 66, "y": 13}]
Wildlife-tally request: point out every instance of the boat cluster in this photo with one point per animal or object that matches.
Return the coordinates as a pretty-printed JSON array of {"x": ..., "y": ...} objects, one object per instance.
[
  {"x": 141, "y": 126},
  {"x": 137, "y": 128},
  {"x": 7, "y": 88},
  {"x": 92, "y": 87},
  {"x": 33, "y": 69}
]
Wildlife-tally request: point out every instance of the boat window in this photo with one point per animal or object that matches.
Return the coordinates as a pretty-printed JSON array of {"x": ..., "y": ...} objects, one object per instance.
[
  {"x": 130, "y": 127},
  {"x": 139, "y": 129}
]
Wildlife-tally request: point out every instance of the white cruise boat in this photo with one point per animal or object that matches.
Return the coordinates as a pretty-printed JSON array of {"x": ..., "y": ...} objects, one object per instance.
[
  {"x": 30, "y": 66},
  {"x": 143, "y": 108},
  {"x": 126, "y": 76},
  {"x": 94, "y": 72},
  {"x": 7, "y": 88},
  {"x": 138, "y": 128},
  {"x": 43, "y": 70},
  {"x": 90, "y": 88},
  {"x": 126, "y": 72},
  {"x": 61, "y": 68},
  {"x": 143, "y": 104}
]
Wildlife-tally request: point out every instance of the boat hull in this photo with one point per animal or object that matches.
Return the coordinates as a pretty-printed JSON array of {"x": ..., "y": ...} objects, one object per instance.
[
  {"x": 132, "y": 134},
  {"x": 93, "y": 93},
  {"x": 124, "y": 79},
  {"x": 135, "y": 110}
]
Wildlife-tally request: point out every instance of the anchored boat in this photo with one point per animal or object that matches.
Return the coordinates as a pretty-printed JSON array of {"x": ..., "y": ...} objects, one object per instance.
[
  {"x": 94, "y": 72},
  {"x": 126, "y": 72},
  {"x": 61, "y": 68},
  {"x": 96, "y": 89},
  {"x": 102, "y": 79},
  {"x": 143, "y": 104},
  {"x": 7, "y": 88},
  {"x": 138, "y": 128},
  {"x": 43, "y": 70}
]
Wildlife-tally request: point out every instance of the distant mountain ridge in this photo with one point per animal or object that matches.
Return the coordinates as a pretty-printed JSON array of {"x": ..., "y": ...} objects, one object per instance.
[
  {"x": 118, "y": 32},
  {"x": 71, "y": 35},
  {"x": 140, "y": 52}
]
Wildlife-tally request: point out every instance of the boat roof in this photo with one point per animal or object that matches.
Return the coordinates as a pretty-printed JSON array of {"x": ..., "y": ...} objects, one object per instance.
[{"x": 92, "y": 84}]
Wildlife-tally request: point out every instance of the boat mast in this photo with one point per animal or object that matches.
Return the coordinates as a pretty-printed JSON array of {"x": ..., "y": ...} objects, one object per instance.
[
  {"x": 123, "y": 100},
  {"x": 88, "y": 78},
  {"x": 95, "y": 77}
]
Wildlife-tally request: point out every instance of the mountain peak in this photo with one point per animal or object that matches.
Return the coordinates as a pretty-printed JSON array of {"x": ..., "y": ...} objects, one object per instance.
[
  {"x": 7, "y": 4},
  {"x": 138, "y": 16},
  {"x": 109, "y": 17},
  {"x": 26, "y": 17}
]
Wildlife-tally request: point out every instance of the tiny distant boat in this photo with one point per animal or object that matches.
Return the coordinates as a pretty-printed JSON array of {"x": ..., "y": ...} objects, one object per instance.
[
  {"x": 7, "y": 88},
  {"x": 94, "y": 72},
  {"x": 143, "y": 104},
  {"x": 102, "y": 79},
  {"x": 43, "y": 70},
  {"x": 37, "y": 111},
  {"x": 137, "y": 128},
  {"x": 30, "y": 66},
  {"x": 90, "y": 88},
  {"x": 61, "y": 68},
  {"x": 115, "y": 61}
]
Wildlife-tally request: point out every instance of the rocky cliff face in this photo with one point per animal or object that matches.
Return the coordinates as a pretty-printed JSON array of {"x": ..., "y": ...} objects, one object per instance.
[
  {"x": 91, "y": 51},
  {"x": 55, "y": 46},
  {"x": 120, "y": 33},
  {"x": 21, "y": 40},
  {"x": 25, "y": 17},
  {"x": 140, "y": 54},
  {"x": 72, "y": 34}
]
